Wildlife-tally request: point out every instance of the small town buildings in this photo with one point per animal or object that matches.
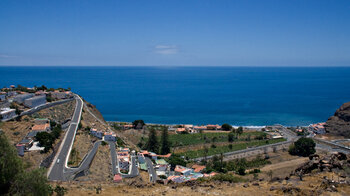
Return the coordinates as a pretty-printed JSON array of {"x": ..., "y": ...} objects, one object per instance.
[
  {"x": 198, "y": 168},
  {"x": 123, "y": 160},
  {"x": 110, "y": 136},
  {"x": 32, "y": 134},
  {"x": 7, "y": 113},
  {"x": 126, "y": 127},
  {"x": 20, "y": 149},
  {"x": 181, "y": 170},
  {"x": 22, "y": 97},
  {"x": 41, "y": 127},
  {"x": 161, "y": 162},
  {"x": 199, "y": 128},
  {"x": 41, "y": 121},
  {"x": 317, "y": 128},
  {"x": 61, "y": 95},
  {"x": 117, "y": 178},
  {"x": 94, "y": 132},
  {"x": 27, "y": 142},
  {"x": 35, "y": 101},
  {"x": 11, "y": 93},
  {"x": 180, "y": 130},
  {"x": 2, "y": 96}
]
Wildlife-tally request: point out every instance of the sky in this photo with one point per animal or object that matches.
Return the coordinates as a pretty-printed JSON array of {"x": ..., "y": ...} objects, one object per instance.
[{"x": 175, "y": 33}]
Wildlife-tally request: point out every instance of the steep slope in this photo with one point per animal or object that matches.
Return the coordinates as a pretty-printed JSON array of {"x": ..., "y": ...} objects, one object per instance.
[{"x": 339, "y": 124}]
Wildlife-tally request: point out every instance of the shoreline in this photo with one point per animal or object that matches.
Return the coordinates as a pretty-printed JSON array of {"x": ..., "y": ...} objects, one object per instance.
[{"x": 235, "y": 126}]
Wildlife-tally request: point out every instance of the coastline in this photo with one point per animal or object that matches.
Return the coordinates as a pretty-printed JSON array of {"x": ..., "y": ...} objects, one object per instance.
[{"x": 235, "y": 126}]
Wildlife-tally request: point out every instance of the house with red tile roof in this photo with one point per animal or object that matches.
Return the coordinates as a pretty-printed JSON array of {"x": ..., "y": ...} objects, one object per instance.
[
  {"x": 117, "y": 178},
  {"x": 198, "y": 168}
]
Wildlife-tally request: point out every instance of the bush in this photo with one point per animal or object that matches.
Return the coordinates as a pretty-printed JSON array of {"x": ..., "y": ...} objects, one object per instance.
[
  {"x": 227, "y": 178},
  {"x": 103, "y": 143},
  {"x": 303, "y": 147},
  {"x": 241, "y": 171},
  {"x": 226, "y": 127}
]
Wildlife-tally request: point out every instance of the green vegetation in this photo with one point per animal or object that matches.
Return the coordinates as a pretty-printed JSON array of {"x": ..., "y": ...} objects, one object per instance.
[
  {"x": 202, "y": 138},
  {"x": 229, "y": 148},
  {"x": 303, "y": 147},
  {"x": 74, "y": 159},
  {"x": 175, "y": 160},
  {"x": 138, "y": 124},
  {"x": 238, "y": 166},
  {"x": 46, "y": 139},
  {"x": 14, "y": 180},
  {"x": 226, "y": 127},
  {"x": 152, "y": 143},
  {"x": 165, "y": 145},
  {"x": 103, "y": 143}
]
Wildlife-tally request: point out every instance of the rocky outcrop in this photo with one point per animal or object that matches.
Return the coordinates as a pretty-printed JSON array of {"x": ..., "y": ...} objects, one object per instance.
[
  {"x": 339, "y": 124},
  {"x": 336, "y": 160}
]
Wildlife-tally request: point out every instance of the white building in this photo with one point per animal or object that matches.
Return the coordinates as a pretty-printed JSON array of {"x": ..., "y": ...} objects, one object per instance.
[
  {"x": 96, "y": 133},
  {"x": 20, "y": 98},
  {"x": 109, "y": 136},
  {"x": 2, "y": 96},
  {"x": 7, "y": 113},
  {"x": 35, "y": 101}
]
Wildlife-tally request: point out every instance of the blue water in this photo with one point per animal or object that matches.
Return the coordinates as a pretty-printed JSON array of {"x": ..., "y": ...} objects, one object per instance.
[{"x": 199, "y": 95}]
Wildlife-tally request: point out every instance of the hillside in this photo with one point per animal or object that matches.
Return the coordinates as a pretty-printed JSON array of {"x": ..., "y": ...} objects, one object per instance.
[{"x": 339, "y": 124}]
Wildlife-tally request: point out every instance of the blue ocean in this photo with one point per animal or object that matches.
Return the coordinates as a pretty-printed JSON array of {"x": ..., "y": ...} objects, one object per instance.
[{"x": 250, "y": 96}]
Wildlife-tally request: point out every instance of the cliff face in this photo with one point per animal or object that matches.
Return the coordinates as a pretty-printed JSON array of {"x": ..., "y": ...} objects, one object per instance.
[{"x": 339, "y": 124}]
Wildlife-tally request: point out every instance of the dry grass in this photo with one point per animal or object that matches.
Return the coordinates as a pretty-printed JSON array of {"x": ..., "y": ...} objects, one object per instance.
[
  {"x": 309, "y": 186},
  {"x": 59, "y": 113},
  {"x": 16, "y": 131},
  {"x": 101, "y": 169}
]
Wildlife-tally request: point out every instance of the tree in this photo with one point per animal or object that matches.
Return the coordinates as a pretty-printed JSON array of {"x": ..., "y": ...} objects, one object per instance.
[
  {"x": 226, "y": 127},
  {"x": 152, "y": 143},
  {"x": 241, "y": 171},
  {"x": 138, "y": 124},
  {"x": 303, "y": 147},
  {"x": 165, "y": 145},
  {"x": 13, "y": 179},
  {"x": 230, "y": 137},
  {"x": 10, "y": 164},
  {"x": 239, "y": 130},
  {"x": 176, "y": 160},
  {"x": 31, "y": 183},
  {"x": 45, "y": 139}
]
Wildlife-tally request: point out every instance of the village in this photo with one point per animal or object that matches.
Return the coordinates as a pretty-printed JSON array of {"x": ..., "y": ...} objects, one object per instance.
[{"x": 161, "y": 168}]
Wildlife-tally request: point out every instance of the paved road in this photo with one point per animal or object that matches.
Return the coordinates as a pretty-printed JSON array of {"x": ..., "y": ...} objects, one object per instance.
[
  {"x": 40, "y": 107},
  {"x": 113, "y": 157},
  {"x": 151, "y": 170},
  {"x": 133, "y": 171},
  {"x": 58, "y": 169}
]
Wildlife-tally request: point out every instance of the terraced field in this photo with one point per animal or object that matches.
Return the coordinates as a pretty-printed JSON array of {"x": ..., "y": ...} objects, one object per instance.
[
  {"x": 201, "y": 138},
  {"x": 229, "y": 148}
]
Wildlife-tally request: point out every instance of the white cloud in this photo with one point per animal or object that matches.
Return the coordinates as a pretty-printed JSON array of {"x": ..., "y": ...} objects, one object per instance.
[{"x": 166, "y": 49}]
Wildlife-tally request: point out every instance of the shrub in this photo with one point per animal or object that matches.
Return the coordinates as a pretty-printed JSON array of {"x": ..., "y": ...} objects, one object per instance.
[
  {"x": 303, "y": 147},
  {"x": 241, "y": 171},
  {"x": 227, "y": 178},
  {"x": 226, "y": 127}
]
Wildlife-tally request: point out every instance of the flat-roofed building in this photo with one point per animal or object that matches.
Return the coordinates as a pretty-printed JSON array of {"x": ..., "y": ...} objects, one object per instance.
[
  {"x": 35, "y": 101},
  {"x": 2, "y": 96},
  {"x": 22, "y": 97},
  {"x": 7, "y": 113}
]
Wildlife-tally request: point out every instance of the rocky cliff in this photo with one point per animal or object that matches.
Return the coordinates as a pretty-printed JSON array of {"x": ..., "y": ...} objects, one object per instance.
[{"x": 339, "y": 124}]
